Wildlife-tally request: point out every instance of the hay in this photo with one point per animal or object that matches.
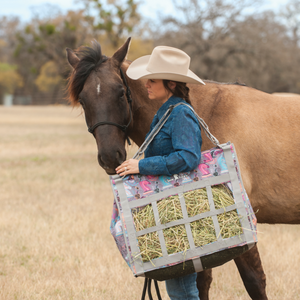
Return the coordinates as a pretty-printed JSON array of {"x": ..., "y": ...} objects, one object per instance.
[
  {"x": 230, "y": 221},
  {"x": 203, "y": 230},
  {"x": 196, "y": 202},
  {"x": 222, "y": 196},
  {"x": 230, "y": 224},
  {"x": 149, "y": 246},
  {"x": 176, "y": 239},
  {"x": 143, "y": 217},
  {"x": 169, "y": 209}
]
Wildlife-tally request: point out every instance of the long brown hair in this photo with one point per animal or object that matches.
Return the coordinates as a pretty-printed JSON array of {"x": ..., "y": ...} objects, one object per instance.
[{"x": 181, "y": 90}]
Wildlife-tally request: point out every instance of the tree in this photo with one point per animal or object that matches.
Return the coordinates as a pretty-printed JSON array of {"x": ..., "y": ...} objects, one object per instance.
[
  {"x": 46, "y": 39},
  {"x": 49, "y": 77},
  {"x": 290, "y": 15},
  {"x": 115, "y": 19},
  {"x": 9, "y": 78},
  {"x": 227, "y": 43},
  {"x": 40, "y": 47}
]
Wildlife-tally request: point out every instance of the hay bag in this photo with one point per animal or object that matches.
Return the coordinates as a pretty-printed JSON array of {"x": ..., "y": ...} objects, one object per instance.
[
  {"x": 166, "y": 227},
  {"x": 169, "y": 226}
]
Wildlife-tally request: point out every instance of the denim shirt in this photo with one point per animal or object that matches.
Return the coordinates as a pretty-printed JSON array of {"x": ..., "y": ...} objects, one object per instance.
[{"x": 177, "y": 146}]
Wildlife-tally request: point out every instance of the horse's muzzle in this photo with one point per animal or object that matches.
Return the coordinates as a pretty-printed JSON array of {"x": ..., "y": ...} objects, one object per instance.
[{"x": 109, "y": 162}]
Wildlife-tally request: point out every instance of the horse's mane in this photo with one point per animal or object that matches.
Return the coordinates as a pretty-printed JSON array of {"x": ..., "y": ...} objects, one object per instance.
[
  {"x": 226, "y": 83},
  {"x": 90, "y": 58}
]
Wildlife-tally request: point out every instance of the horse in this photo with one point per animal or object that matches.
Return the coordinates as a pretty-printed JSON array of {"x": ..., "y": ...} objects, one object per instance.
[{"x": 263, "y": 128}]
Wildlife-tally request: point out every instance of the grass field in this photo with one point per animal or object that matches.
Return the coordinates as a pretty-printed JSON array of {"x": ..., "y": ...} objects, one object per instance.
[{"x": 55, "y": 213}]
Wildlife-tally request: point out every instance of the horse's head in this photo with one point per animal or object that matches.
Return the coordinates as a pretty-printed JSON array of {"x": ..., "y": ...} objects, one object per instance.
[{"x": 97, "y": 85}]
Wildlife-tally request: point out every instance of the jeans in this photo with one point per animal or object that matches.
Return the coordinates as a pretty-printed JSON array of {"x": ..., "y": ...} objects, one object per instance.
[{"x": 183, "y": 288}]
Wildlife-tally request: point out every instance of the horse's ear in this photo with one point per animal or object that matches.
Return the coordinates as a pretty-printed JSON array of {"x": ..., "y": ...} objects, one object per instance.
[
  {"x": 121, "y": 53},
  {"x": 72, "y": 58}
]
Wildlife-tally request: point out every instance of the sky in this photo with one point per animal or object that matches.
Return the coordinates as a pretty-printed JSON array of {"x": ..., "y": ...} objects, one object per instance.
[{"x": 148, "y": 8}]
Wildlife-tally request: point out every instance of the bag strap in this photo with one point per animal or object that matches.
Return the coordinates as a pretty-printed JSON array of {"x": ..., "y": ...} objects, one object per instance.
[
  {"x": 161, "y": 123},
  {"x": 153, "y": 133},
  {"x": 147, "y": 287}
]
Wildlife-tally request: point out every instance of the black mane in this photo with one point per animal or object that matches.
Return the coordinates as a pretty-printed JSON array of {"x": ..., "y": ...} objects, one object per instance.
[
  {"x": 90, "y": 59},
  {"x": 225, "y": 83}
]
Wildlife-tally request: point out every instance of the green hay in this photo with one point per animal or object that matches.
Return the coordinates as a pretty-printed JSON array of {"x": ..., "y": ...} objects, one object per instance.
[
  {"x": 176, "y": 239},
  {"x": 222, "y": 196},
  {"x": 230, "y": 221},
  {"x": 169, "y": 209},
  {"x": 196, "y": 202},
  {"x": 229, "y": 224},
  {"x": 203, "y": 230},
  {"x": 143, "y": 217},
  {"x": 149, "y": 246}
]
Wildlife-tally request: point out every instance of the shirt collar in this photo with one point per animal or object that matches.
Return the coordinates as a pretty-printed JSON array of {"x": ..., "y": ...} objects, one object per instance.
[{"x": 173, "y": 100}]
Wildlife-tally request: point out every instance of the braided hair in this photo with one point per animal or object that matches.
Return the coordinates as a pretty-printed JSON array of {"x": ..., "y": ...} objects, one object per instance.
[{"x": 181, "y": 90}]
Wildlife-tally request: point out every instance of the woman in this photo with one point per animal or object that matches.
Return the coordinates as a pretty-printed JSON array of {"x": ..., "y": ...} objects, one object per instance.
[{"x": 177, "y": 146}]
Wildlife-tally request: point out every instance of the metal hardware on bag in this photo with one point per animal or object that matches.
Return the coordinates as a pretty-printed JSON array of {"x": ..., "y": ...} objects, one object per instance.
[{"x": 171, "y": 107}]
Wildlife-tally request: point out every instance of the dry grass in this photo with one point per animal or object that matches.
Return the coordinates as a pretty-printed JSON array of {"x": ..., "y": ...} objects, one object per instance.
[{"x": 55, "y": 212}]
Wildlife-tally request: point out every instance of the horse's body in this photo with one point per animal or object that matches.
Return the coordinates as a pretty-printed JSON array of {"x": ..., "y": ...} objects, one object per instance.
[
  {"x": 263, "y": 128},
  {"x": 265, "y": 132}
]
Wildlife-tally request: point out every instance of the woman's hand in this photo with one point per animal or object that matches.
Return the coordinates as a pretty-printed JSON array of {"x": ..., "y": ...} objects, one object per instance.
[{"x": 130, "y": 166}]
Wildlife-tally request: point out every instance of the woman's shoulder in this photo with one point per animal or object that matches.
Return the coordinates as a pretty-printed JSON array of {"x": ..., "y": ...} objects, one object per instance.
[{"x": 183, "y": 110}]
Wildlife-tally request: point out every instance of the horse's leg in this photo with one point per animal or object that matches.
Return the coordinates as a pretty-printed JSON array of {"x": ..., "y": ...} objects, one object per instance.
[
  {"x": 252, "y": 273},
  {"x": 204, "y": 280}
]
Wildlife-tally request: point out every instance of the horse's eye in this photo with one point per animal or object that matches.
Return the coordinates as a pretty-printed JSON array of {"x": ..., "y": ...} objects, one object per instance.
[
  {"x": 122, "y": 93},
  {"x": 81, "y": 102}
]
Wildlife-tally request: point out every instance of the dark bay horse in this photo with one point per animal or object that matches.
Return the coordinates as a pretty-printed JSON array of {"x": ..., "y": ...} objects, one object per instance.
[{"x": 263, "y": 128}]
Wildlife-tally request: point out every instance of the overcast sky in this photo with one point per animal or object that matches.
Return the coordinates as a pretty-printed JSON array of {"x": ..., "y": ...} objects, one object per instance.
[{"x": 23, "y": 8}]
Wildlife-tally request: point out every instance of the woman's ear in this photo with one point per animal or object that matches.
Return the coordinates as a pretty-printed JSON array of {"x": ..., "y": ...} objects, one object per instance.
[{"x": 172, "y": 85}]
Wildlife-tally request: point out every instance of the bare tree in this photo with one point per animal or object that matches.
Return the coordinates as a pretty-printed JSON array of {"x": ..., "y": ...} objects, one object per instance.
[
  {"x": 290, "y": 16},
  {"x": 229, "y": 41}
]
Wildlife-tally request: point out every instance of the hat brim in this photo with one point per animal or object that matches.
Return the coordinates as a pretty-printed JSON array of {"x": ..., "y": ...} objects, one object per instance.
[{"x": 137, "y": 70}]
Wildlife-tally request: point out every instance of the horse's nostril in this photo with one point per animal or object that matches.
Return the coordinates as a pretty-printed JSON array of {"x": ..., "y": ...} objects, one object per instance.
[
  {"x": 119, "y": 157},
  {"x": 101, "y": 162},
  {"x": 110, "y": 162}
]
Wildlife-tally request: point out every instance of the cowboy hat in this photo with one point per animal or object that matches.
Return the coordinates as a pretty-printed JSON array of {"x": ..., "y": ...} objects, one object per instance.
[{"x": 164, "y": 63}]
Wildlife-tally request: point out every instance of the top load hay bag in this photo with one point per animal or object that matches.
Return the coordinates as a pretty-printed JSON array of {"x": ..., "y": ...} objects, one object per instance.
[{"x": 167, "y": 227}]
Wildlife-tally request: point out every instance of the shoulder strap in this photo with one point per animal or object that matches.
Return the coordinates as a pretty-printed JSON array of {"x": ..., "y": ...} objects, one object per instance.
[
  {"x": 211, "y": 137},
  {"x": 161, "y": 123}
]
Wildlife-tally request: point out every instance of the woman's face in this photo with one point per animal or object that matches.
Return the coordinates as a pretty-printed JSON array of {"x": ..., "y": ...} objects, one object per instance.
[{"x": 157, "y": 90}]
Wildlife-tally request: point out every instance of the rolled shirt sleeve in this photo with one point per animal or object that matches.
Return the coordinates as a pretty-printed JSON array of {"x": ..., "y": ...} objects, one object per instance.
[{"x": 185, "y": 153}]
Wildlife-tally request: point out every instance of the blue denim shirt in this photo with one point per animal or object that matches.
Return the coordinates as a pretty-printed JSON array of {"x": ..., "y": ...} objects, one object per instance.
[{"x": 177, "y": 146}]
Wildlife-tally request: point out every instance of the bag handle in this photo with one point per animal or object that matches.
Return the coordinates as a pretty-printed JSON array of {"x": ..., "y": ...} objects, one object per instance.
[
  {"x": 161, "y": 123},
  {"x": 147, "y": 287}
]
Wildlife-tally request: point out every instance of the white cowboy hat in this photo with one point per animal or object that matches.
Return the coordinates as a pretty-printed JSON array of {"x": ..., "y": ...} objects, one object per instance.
[{"x": 164, "y": 63}]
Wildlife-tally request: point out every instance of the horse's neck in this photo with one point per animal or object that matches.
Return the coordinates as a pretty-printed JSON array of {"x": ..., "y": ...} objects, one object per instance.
[{"x": 204, "y": 99}]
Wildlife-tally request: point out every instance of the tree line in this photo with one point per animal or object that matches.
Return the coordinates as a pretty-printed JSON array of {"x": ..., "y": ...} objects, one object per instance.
[{"x": 227, "y": 41}]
